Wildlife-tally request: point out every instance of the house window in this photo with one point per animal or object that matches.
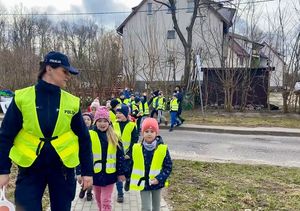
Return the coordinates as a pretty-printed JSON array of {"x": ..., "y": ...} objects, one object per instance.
[
  {"x": 171, "y": 34},
  {"x": 241, "y": 61},
  {"x": 149, "y": 8},
  {"x": 170, "y": 9},
  {"x": 190, "y": 6}
]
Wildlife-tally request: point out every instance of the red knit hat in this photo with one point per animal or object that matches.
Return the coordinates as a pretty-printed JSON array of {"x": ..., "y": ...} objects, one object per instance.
[
  {"x": 150, "y": 123},
  {"x": 102, "y": 113}
]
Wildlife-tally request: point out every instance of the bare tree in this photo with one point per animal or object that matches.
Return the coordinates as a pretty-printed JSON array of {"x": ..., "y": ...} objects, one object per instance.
[
  {"x": 186, "y": 41},
  {"x": 44, "y": 36}
]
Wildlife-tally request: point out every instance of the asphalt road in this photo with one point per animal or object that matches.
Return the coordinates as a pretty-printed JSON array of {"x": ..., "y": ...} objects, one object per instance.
[{"x": 218, "y": 147}]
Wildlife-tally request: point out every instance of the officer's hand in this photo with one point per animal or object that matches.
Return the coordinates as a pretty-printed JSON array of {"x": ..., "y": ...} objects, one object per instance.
[
  {"x": 154, "y": 181},
  {"x": 121, "y": 178},
  {"x": 87, "y": 181},
  {"x": 79, "y": 179},
  {"x": 4, "y": 179},
  {"x": 127, "y": 157}
]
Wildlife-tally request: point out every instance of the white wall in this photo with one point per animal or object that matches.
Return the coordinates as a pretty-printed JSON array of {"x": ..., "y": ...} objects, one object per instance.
[
  {"x": 146, "y": 35},
  {"x": 275, "y": 61}
]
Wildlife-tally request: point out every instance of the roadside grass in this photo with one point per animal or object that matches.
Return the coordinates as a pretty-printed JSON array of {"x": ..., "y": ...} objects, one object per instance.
[
  {"x": 245, "y": 119},
  {"x": 214, "y": 186},
  {"x": 11, "y": 188}
]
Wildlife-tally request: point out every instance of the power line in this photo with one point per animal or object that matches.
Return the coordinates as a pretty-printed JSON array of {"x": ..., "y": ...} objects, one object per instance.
[
  {"x": 117, "y": 12},
  {"x": 255, "y": 2},
  {"x": 64, "y": 14}
]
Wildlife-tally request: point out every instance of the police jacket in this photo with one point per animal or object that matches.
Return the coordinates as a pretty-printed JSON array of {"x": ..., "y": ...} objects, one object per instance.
[{"x": 47, "y": 107}]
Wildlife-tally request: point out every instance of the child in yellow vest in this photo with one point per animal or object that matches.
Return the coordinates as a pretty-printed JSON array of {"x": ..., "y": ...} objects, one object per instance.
[
  {"x": 112, "y": 112},
  {"x": 108, "y": 156},
  {"x": 152, "y": 166},
  {"x": 129, "y": 136}
]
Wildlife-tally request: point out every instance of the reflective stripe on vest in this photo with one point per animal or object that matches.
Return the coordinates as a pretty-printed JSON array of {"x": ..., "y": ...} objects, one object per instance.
[
  {"x": 137, "y": 180},
  {"x": 111, "y": 158},
  {"x": 141, "y": 110},
  {"x": 174, "y": 105},
  {"x": 133, "y": 107},
  {"x": 154, "y": 102},
  {"x": 112, "y": 116},
  {"x": 126, "y": 135},
  {"x": 144, "y": 108},
  {"x": 30, "y": 139},
  {"x": 161, "y": 103}
]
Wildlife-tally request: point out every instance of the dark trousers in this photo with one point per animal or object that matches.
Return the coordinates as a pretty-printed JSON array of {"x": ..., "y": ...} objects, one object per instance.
[
  {"x": 127, "y": 169},
  {"x": 31, "y": 184},
  {"x": 179, "y": 114},
  {"x": 138, "y": 124},
  {"x": 154, "y": 111},
  {"x": 120, "y": 188}
]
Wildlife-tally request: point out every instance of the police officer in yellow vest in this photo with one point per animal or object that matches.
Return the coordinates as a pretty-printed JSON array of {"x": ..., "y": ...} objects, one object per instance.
[{"x": 43, "y": 132}]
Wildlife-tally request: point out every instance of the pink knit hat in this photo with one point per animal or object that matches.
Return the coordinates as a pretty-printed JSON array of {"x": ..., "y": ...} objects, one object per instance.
[
  {"x": 95, "y": 103},
  {"x": 150, "y": 123},
  {"x": 102, "y": 113}
]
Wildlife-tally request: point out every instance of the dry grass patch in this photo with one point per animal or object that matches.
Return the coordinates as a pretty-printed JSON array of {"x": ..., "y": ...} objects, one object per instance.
[
  {"x": 243, "y": 119},
  {"x": 214, "y": 186}
]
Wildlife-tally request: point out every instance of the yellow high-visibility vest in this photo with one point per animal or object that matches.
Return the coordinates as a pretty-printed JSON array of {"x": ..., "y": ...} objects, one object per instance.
[
  {"x": 144, "y": 111},
  {"x": 161, "y": 103},
  {"x": 30, "y": 139},
  {"x": 112, "y": 116},
  {"x": 137, "y": 179},
  {"x": 154, "y": 102},
  {"x": 174, "y": 105},
  {"x": 119, "y": 100},
  {"x": 126, "y": 101},
  {"x": 134, "y": 107},
  {"x": 126, "y": 135},
  {"x": 111, "y": 158}
]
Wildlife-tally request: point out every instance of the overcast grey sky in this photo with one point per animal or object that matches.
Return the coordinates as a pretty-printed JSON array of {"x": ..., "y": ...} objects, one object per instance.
[{"x": 267, "y": 9}]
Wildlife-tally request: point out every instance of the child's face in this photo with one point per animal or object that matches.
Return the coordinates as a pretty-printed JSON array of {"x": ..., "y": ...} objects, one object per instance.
[
  {"x": 93, "y": 110},
  {"x": 108, "y": 104},
  {"x": 120, "y": 117},
  {"x": 102, "y": 124},
  {"x": 87, "y": 120},
  {"x": 149, "y": 135}
]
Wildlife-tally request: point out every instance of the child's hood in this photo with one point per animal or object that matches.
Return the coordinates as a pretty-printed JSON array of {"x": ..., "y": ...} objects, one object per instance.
[{"x": 159, "y": 140}]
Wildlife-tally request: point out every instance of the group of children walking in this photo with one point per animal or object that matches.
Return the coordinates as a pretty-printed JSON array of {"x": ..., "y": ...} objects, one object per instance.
[
  {"x": 155, "y": 107},
  {"x": 119, "y": 156}
]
